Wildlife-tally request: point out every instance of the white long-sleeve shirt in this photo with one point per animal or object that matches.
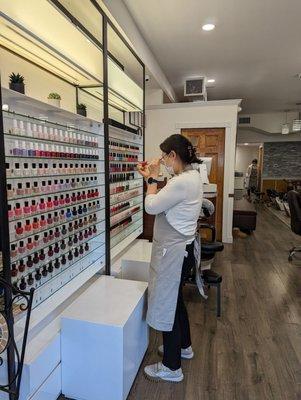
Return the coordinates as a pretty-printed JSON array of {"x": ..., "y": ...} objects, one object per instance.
[{"x": 181, "y": 200}]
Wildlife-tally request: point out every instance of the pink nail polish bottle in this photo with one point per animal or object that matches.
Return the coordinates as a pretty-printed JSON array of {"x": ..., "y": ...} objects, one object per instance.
[
  {"x": 49, "y": 203},
  {"x": 11, "y": 213},
  {"x": 33, "y": 207},
  {"x": 21, "y": 248},
  {"x": 13, "y": 251},
  {"x": 56, "y": 201},
  {"x": 18, "y": 210},
  {"x": 28, "y": 226},
  {"x": 43, "y": 222},
  {"x": 26, "y": 208},
  {"x": 10, "y": 191},
  {"x": 42, "y": 205}
]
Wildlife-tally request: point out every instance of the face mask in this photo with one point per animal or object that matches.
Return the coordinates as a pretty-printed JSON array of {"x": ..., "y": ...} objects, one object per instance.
[{"x": 169, "y": 168}]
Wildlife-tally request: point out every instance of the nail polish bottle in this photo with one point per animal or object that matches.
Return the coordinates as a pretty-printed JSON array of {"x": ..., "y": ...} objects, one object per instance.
[
  {"x": 78, "y": 197},
  {"x": 50, "y": 220},
  {"x": 64, "y": 230},
  {"x": 38, "y": 275},
  {"x": 63, "y": 260},
  {"x": 80, "y": 210},
  {"x": 80, "y": 236},
  {"x": 86, "y": 221},
  {"x": 28, "y": 189},
  {"x": 49, "y": 203},
  {"x": 75, "y": 239},
  {"x": 45, "y": 238},
  {"x": 90, "y": 232},
  {"x": 70, "y": 256},
  {"x": 50, "y": 252},
  {"x": 36, "y": 188},
  {"x": 56, "y": 185},
  {"x": 29, "y": 244},
  {"x": 67, "y": 199},
  {"x": 68, "y": 214},
  {"x": 81, "y": 249},
  {"x": 43, "y": 222},
  {"x": 27, "y": 226},
  {"x": 70, "y": 227},
  {"x": 36, "y": 241},
  {"x": 86, "y": 235},
  {"x": 70, "y": 242},
  {"x": 62, "y": 216},
  {"x": 34, "y": 171},
  {"x": 17, "y": 170},
  {"x": 51, "y": 235},
  {"x": 74, "y": 212},
  {"x": 57, "y": 233},
  {"x": 62, "y": 200},
  {"x": 50, "y": 267},
  {"x": 19, "y": 230},
  {"x": 56, "y": 218},
  {"x": 26, "y": 170},
  {"x": 11, "y": 213},
  {"x": 42, "y": 255},
  {"x": 63, "y": 245},
  {"x": 73, "y": 183},
  {"x": 30, "y": 279},
  {"x": 14, "y": 271},
  {"x": 73, "y": 198},
  {"x": 94, "y": 229},
  {"x": 42, "y": 205},
  {"x": 43, "y": 187},
  {"x": 85, "y": 209},
  {"x": 44, "y": 271},
  {"x": 80, "y": 223},
  {"x": 56, "y": 249},
  {"x": 26, "y": 208},
  {"x": 36, "y": 259},
  {"x": 35, "y": 224},
  {"x": 86, "y": 247},
  {"x": 56, "y": 201},
  {"x": 76, "y": 226},
  {"x": 20, "y": 189},
  {"x": 76, "y": 253},
  {"x": 21, "y": 266},
  {"x": 22, "y": 285}
]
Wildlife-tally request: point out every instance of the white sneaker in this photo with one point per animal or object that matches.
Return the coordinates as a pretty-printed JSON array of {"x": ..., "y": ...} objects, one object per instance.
[
  {"x": 187, "y": 354},
  {"x": 158, "y": 372}
]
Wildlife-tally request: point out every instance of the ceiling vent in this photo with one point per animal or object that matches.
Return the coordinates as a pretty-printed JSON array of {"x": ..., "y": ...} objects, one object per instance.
[
  {"x": 195, "y": 87},
  {"x": 244, "y": 121}
]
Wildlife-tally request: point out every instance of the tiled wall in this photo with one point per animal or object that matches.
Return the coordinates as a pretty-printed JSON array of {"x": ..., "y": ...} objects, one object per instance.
[{"x": 282, "y": 160}]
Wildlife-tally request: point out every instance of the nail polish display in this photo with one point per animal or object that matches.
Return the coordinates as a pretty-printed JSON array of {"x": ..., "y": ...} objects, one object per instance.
[{"x": 55, "y": 190}]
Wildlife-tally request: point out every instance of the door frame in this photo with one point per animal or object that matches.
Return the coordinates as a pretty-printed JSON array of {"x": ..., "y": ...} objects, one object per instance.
[{"x": 229, "y": 168}]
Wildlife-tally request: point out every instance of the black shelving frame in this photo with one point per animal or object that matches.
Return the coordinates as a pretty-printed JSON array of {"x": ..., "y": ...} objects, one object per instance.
[{"x": 10, "y": 293}]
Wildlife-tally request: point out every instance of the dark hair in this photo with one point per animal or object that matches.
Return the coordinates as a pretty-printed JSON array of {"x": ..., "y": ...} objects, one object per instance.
[
  {"x": 182, "y": 147},
  {"x": 255, "y": 161}
]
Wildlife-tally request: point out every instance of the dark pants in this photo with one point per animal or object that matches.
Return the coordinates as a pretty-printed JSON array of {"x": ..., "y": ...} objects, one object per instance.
[
  {"x": 251, "y": 190},
  {"x": 179, "y": 338}
]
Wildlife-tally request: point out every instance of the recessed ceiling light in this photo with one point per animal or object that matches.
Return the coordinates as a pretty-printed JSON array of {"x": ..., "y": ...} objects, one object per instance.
[
  {"x": 208, "y": 27},
  {"x": 246, "y": 144},
  {"x": 210, "y": 80}
]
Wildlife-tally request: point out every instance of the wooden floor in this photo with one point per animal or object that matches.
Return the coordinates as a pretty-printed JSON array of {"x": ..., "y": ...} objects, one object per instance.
[{"x": 254, "y": 350}]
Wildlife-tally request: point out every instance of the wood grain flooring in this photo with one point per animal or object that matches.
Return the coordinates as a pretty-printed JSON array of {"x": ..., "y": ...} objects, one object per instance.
[{"x": 254, "y": 350}]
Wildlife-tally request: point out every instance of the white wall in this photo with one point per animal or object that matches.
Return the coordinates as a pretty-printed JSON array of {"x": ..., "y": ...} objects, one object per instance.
[
  {"x": 250, "y": 136},
  {"x": 153, "y": 97},
  {"x": 244, "y": 157},
  {"x": 162, "y": 121},
  {"x": 270, "y": 122}
]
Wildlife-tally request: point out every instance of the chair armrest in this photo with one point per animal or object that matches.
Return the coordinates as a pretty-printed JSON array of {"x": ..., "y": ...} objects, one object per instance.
[{"x": 211, "y": 227}]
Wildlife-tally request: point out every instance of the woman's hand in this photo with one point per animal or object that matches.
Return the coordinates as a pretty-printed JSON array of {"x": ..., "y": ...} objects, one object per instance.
[{"x": 149, "y": 169}]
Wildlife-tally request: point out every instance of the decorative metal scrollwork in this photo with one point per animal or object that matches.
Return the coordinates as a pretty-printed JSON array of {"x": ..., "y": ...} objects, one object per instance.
[{"x": 13, "y": 301}]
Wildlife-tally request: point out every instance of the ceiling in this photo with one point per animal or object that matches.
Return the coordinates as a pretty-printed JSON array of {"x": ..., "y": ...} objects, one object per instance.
[{"x": 254, "y": 53}]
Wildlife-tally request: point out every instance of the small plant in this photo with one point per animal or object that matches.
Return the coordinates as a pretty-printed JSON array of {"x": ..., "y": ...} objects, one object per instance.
[
  {"x": 55, "y": 96},
  {"x": 16, "y": 78},
  {"x": 82, "y": 107}
]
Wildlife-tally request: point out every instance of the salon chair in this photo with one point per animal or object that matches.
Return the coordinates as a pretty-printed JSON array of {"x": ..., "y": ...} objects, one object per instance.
[
  {"x": 294, "y": 202},
  {"x": 208, "y": 251}
]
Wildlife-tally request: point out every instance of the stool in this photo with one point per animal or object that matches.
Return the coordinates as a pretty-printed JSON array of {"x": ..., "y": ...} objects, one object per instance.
[{"x": 211, "y": 278}]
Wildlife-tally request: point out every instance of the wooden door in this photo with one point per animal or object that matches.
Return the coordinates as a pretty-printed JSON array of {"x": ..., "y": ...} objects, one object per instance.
[{"x": 210, "y": 142}]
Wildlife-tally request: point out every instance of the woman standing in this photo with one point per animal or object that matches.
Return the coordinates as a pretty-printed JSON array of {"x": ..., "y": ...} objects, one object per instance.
[
  {"x": 177, "y": 208},
  {"x": 252, "y": 178}
]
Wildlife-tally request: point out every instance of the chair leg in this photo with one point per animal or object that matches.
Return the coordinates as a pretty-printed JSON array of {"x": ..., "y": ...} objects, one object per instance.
[{"x": 218, "y": 300}]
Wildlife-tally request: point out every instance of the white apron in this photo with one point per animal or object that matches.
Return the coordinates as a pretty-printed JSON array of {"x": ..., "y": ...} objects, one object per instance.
[{"x": 168, "y": 252}]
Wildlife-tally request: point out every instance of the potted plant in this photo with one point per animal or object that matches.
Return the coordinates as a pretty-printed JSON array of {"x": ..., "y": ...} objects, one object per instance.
[
  {"x": 16, "y": 82},
  {"x": 81, "y": 109},
  {"x": 54, "y": 99}
]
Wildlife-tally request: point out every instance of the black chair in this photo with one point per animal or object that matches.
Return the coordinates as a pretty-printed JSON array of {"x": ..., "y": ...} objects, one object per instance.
[
  {"x": 294, "y": 202},
  {"x": 208, "y": 250}
]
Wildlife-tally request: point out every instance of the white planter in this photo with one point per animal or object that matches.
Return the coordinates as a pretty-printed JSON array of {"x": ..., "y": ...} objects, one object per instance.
[{"x": 54, "y": 102}]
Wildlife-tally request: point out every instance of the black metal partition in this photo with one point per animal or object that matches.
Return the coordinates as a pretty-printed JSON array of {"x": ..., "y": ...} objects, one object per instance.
[{"x": 113, "y": 105}]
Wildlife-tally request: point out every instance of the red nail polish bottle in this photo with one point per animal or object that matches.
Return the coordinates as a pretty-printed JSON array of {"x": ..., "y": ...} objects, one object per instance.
[
  {"x": 42, "y": 255},
  {"x": 62, "y": 200},
  {"x": 56, "y": 249},
  {"x": 50, "y": 220},
  {"x": 33, "y": 207},
  {"x": 84, "y": 196},
  {"x": 78, "y": 197},
  {"x": 73, "y": 198},
  {"x": 29, "y": 244},
  {"x": 42, "y": 205},
  {"x": 26, "y": 208},
  {"x": 67, "y": 199},
  {"x": 14, "y": 271},
  {"x": 28, "y": 226},
  {"x": 50, "y": 252},
  {"x": 80, "y": 236},
  {"x": 21, "y": 266},
  {"x": 57, "y": 233},
  {"x": 81, "y": 249},
  {"x": 49, "y": 203},
  {"x": 19, "y": 229},
  {"x": 56, "y": 201}
]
